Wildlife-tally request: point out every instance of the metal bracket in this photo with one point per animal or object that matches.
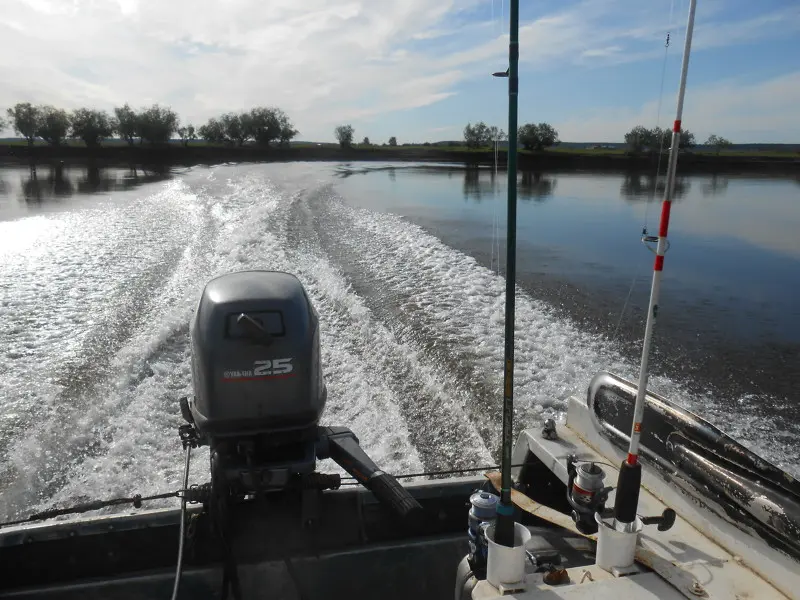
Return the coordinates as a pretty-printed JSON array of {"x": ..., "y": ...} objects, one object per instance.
[
  {"x": 649, "y": 240},
  {"x": 189, "y": 436}
]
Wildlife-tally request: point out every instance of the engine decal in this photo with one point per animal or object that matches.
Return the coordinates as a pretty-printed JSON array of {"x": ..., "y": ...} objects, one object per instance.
[{"x": 276, "y": 368}]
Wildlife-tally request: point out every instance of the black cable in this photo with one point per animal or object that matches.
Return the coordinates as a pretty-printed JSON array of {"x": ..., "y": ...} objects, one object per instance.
[
  {"x": 136, "y": 500},
  {"x": 189, "y": 493},
  {"x": 182, "y": 536}
]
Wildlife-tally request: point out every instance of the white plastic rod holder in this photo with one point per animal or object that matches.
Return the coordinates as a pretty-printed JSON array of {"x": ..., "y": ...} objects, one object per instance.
[
  {"x": 506, "y": 566},
  {"x": 616, "y": 542}
]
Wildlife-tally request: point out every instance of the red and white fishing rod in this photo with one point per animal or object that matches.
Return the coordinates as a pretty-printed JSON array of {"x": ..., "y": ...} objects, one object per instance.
[{"x": 630, "y": 475}]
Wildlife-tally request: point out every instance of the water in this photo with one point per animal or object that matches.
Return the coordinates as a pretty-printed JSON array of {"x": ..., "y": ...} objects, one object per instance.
[{"x": 100, "y": 272}]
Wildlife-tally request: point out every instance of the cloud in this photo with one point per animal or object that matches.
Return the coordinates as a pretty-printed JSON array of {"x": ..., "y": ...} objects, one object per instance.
[
  {"x": 784, "y": 21},
  {"x": 742, "y": 111},
  {"x": 323, "y": 61},
  {"x": 606, "y": 52},
  {"x": 317, "y": 59}
]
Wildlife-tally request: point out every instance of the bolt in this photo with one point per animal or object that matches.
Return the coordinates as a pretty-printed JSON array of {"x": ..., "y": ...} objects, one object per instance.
[{"x": 697, "y": 589}]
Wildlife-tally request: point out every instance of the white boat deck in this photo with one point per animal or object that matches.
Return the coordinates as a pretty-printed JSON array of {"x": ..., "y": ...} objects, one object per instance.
[
  {"x": 591, "y": 582},
  {"x": 695, "y": 565}
]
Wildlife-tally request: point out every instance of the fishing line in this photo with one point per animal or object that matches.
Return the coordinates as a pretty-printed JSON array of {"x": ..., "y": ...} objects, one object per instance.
[
  {"x": 658, "y": 116},
  {"x": 627, "y": 300},
  {"x": 494, "y": 260},
  {"x": 650, "y": 197},
  {"x": 495, "y": 216}
]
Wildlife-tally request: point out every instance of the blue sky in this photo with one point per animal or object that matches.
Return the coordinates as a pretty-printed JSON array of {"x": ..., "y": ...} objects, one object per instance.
[{"x": 415, "y": 69}]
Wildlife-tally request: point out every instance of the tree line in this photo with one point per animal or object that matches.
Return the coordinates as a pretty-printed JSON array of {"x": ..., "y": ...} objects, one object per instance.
[
  {"x": 531, "y": 136},
  {"x": 155, "y": 125},
  {"x": 261, "y": 125},
  {"x": 537, "y": 137},
  {"x": 641, "y": 139},
  {"x": 264, "y": 125},
  {"x": 345, "y": 134}
]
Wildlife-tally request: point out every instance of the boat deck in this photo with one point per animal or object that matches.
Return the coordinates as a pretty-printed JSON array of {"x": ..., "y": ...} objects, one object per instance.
[
  {"x": 356, "y": 548},
  {"x": 690, "y": 559}
]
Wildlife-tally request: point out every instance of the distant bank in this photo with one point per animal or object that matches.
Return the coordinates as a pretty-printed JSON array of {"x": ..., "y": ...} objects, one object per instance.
[{"x": 560, "y": 158}]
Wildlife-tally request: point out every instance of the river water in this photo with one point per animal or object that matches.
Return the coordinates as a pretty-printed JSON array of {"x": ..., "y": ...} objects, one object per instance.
[{"x": 100, "y": 271}]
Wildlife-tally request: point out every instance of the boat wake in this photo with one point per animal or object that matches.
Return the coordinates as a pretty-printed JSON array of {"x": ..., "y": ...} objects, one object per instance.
[{"x": 95, "y": 335}]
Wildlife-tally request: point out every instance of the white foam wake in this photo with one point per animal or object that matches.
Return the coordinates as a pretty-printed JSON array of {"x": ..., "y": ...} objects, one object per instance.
[{"x": 94, "y": 331}]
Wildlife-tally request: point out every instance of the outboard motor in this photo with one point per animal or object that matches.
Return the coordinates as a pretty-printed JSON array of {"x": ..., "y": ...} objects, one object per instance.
[{"x": 260, "y": 392}]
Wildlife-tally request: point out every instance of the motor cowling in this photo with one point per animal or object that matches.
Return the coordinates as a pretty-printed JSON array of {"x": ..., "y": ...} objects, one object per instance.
[
  {"x": 256, "y": 365},
  {"x": 259, "y": 393}
]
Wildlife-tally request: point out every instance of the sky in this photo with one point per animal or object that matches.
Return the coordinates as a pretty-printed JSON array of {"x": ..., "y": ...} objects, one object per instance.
[{"x": 415, "y": 69}]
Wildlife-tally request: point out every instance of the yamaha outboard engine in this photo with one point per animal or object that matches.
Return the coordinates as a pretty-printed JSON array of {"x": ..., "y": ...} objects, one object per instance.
[{"x": 260, "y": 392}]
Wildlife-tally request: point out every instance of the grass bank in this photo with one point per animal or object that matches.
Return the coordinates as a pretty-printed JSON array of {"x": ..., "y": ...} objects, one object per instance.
[{"x": 554, "y": 159}]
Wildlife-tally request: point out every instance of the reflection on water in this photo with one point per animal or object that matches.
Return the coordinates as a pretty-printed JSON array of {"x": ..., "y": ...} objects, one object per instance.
[
  {"x": 643, "y": 186},
  {"x": 26, "y": 190},
  {"x": 52, "y": 184},
  {"x": 535, "y": 186},
  {"x": 731, "y": 314},
  {"x": 43, "y": 184},
  {"x": 485, "y": 184},
  {"x": 477, "y": 187},
  {"x": 718, "y": 184}
]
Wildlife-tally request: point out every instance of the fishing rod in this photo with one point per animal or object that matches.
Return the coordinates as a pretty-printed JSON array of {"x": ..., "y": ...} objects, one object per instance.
[
  {"x": 504, "y": 529},
  {"x": 630, "y": 474}
]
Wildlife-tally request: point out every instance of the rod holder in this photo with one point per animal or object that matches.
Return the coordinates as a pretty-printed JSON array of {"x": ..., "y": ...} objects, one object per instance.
[
  {"x": 505, "y": 566},
  {"x": 616, "y": 543}
]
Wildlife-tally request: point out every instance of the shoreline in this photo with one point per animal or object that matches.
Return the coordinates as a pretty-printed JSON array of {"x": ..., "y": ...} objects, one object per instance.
[{"x": 690, "y": 162}]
